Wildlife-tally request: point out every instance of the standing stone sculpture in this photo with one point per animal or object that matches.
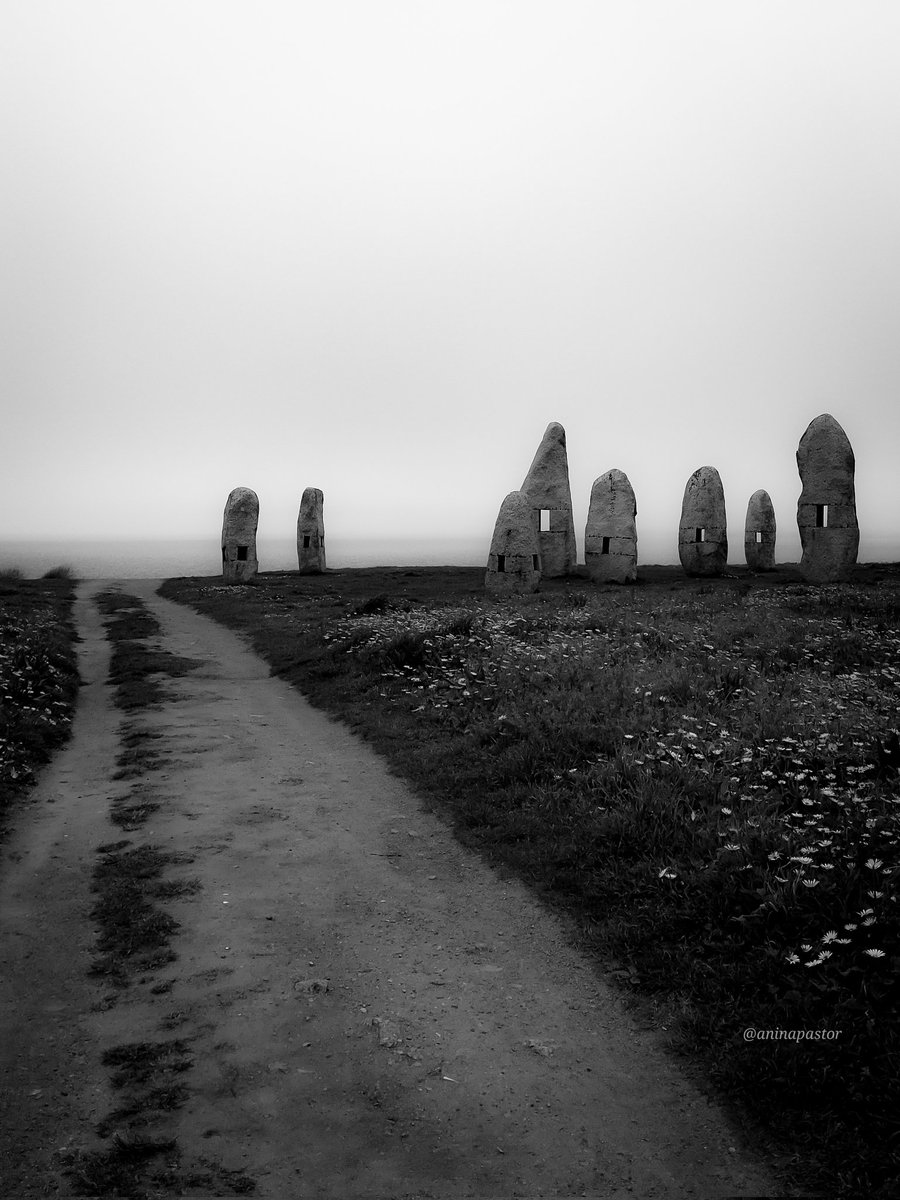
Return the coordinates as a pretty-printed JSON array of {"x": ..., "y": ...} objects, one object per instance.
[
  {"x": 239, "y": 561},
  {"x": 514, "y": 562},
  {"x": 311, "y": 533},
  {"x": 547, "y": 487},
  {"x": 610, "y": 535},
  {"x": 702, "y": 534},
  {"x": 759, "y": 532},
  {"x": 826, "y": 509}
]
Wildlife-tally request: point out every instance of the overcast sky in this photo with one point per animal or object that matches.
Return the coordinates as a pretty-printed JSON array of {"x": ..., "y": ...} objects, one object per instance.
[{"x": 377, "y": 246}]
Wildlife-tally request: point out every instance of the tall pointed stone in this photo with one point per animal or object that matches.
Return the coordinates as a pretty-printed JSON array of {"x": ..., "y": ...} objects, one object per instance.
[
  {"x": 547, "y": 487},
  {"x": 759, "y": 532},
  {"x": 311, "y": 533},
  {"x": 514, "y": 562},
  {"x": 702, "y": 533},
  {"x": 610, "y": 535},
  {"x": 239, "y": 561},
  {"x": 826, "y": 509}
]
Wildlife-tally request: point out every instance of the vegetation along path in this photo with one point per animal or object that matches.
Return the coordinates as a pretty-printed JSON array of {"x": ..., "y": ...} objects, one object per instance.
[{"x": 240, "y": 957}]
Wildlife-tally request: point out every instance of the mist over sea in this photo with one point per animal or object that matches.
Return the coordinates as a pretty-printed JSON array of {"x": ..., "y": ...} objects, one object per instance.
[{"x": 161, "y": 558}]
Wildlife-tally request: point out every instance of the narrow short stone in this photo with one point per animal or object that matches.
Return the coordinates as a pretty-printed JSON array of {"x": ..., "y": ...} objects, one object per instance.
[
  {"x": 311, "y": 533},
  {"x": 239, "y": 560},
  {"x": 759, "y": 532},
  {"x": 826, "y": 510},
  {"x": 610, "y": 535},
  {"x": 514, "y": 562},
  {"x": 702, "y": 534}
]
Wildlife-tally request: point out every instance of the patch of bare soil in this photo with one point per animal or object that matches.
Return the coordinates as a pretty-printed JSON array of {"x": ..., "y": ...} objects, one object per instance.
[{"x": 357, "y": 1006}]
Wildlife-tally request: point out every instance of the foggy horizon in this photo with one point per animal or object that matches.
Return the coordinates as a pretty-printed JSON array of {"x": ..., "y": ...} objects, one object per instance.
[{"x": 377, "y": 249}]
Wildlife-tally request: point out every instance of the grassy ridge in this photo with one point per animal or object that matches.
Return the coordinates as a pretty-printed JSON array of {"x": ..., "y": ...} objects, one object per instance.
[
  {"x": 38, "y": 677},
  {"x": 706, "y": 775}
]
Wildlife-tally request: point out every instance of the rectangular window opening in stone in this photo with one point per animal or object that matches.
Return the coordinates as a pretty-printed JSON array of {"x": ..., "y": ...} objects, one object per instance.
[
  {"x": 306, "y": 540},
  {"x": 501, "y": 563},
  {"x": 821, "y": 516},
  {"x": 545, "y": 520},
  {"x": 758, "y": 535},
  {"x": 604, "y": 548},
  {"x": 224, "y": 555},
  {"x": 699, "y": 534},
  {"x": 242, "y": 553},
  {"x": 535, "y": 562}
]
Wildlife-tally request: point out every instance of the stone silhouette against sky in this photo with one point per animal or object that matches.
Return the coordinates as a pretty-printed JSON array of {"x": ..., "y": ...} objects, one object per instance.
[
  {"x": 826, "y": 509},
  {"x": 311, "y": 532},
  {"x": 759, "y": 532},
  {"x": 239, "y": 560},
  {"x": 547, "y": 487},
  {"x": 702, "y": 535},
  {"x": 610, "y": 535},
  {"x": 514, "y": 562}
]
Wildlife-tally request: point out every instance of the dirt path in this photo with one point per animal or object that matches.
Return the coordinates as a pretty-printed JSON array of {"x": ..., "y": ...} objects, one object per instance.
[
  {"x": 370, "y": 1010},
  {"x": 53, "y": 1088}
]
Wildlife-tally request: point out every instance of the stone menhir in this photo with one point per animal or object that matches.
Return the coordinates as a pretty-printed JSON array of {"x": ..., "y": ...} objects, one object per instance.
[
  {"x": 311, "y": 533},
  {"x": 702, "y": 535},
  {"x": 610, "y": 535},
  {"x": 239, "y": 561},
  {"x": 547, "y": 487},
  {"x": 759, "y": 532},
  {"x": 514, "y": 562},
  {"x": 826, "y": 510}
]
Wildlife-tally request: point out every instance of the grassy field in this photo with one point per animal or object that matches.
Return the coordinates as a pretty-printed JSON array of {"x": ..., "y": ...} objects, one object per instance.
[
  {"x": 38, "y": 676},
  {"x": 705, "y": 774}
]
